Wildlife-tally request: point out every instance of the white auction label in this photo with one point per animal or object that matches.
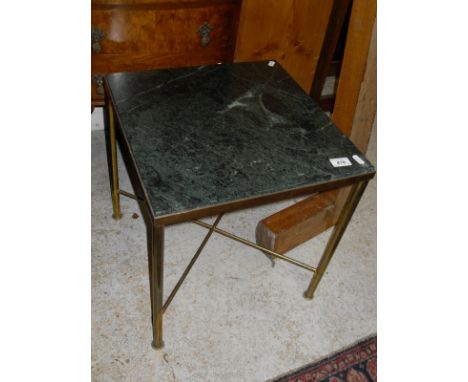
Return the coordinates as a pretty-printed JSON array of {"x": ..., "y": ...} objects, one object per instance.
[
  {"x": 340, "y": 162},
  {"x": 271, "y": 63},
  {"x": 358, "y": 159}
]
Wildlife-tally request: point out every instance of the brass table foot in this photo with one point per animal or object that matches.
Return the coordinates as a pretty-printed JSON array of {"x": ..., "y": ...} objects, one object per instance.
[
  {"x": 308, "y": 297},
  {"x": 116, "y": 216},
  {"x": 153, "y": 345}
]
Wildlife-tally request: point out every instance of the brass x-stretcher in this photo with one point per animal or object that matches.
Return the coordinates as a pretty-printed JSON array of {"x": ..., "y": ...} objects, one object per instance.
[
  {"x": 157, "y": 313},
  {"x": 213, "y": 228},
  {"x": 331, "y": 246}
]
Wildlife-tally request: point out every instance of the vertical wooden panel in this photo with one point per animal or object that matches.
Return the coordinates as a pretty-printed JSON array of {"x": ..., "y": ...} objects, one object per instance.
[
  {"x": 289, "y": 31},
  {"x": 354, "y": 63},
  {"x": 366, "y": 109},
  {"x": 300, "y": 222}
]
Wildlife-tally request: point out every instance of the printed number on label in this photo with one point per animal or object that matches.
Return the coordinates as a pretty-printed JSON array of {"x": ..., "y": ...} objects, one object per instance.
[{"x": 340, "y": 162}]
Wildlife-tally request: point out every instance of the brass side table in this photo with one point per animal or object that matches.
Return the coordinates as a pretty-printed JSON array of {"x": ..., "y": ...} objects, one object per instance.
[{"x": 213, "y": 139}]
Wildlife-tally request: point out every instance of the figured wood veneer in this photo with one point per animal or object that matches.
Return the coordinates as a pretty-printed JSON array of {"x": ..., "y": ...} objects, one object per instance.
[{"x": 149, "y": 34}]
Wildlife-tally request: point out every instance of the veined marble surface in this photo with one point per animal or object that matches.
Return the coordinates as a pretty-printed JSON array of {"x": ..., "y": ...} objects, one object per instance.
[{"x": 214, "y": 134}]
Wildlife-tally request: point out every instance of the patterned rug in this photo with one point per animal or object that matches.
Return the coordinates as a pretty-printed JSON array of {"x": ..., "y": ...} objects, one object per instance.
[{"x": 357, "y": 363}]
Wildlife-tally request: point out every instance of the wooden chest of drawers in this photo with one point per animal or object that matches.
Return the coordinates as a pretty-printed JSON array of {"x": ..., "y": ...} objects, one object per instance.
[{"x": 131, "y": 35}]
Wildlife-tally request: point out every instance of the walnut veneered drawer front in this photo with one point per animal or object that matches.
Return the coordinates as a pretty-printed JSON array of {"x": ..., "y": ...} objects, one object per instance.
[{"x": 139, "y": 36}]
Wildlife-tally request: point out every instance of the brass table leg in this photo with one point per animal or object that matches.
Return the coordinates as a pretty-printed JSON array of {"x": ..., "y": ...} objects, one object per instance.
[
  {"x": 114, "y": 171},
  {"x": 340, "y": 227},
  {"x": 157, "y": 274}
]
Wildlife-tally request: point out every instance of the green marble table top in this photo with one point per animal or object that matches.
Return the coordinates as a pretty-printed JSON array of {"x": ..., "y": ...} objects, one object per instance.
[{"x": 215, "y": 134}]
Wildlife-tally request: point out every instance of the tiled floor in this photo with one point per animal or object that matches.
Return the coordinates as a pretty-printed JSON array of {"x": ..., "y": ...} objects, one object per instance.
[{"x": 235, "y": 318}]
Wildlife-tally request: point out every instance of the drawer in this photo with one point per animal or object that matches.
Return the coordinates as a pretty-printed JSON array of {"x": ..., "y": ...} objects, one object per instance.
[
  {"x": 130, "y": 31},
  {"x": 109, "y": 63},
  {"x": 136, "y": 37},
  {"x": 124, "y": 62}
]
